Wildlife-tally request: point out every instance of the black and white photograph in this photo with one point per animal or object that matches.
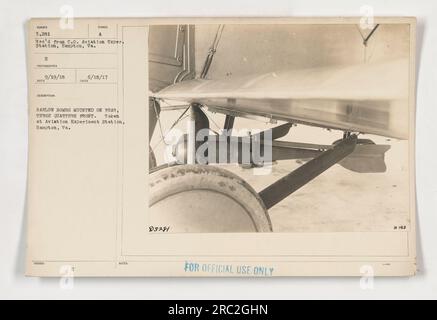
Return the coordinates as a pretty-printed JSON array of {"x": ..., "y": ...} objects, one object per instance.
[
  {"x": 301, "y": 127},
  {"x": 200, "y": 147},
  {"x": 218, "y": 156}
]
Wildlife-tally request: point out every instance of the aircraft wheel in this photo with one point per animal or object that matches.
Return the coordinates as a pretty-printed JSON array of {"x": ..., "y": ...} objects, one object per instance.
[{"x": 203, "y": 198}]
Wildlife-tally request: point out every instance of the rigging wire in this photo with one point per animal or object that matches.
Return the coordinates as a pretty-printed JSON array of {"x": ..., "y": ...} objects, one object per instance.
[
  {"x": 212, "y": 50},
  {"x": 205, "y": 69},
  {"x": 366, "y": 38},
  {"x": 162, "y": 139}
]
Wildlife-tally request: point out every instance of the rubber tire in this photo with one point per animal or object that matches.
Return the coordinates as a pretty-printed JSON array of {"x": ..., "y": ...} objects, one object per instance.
[{"x": 203, "y": 198}]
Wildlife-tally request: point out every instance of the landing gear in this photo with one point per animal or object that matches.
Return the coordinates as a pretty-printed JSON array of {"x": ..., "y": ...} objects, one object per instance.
[
  {"x": 201, "y": 198},
  {"x": 192, "y": 195},
  {"x": 154, "y": 111}
]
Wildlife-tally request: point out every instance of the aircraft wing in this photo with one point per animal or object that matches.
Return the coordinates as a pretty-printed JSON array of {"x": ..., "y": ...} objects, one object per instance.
[{"x": 368, "y": 98}]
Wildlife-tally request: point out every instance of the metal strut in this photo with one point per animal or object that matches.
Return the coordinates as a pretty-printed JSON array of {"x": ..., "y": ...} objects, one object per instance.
[
  {"x": 200, "y": 122},
  {"x": 229, "y": 124},
  {"x": 154, "y": 112},
  {"x": 285, "y": 186}
]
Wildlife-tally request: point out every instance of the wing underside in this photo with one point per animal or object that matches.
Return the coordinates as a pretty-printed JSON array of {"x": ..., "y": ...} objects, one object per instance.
[{"x": 365, "y": 98}]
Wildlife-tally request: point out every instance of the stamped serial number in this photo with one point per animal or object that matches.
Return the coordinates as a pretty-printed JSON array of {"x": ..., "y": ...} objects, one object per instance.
[{"x": 159, "y": 228}]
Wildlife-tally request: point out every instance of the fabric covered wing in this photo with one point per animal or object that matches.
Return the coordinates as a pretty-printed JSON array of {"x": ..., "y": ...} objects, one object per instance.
[{"x": 367, "y": 98}]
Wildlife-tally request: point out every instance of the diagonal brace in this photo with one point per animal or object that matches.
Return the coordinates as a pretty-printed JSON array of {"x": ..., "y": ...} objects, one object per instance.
[{"x": 285, "y": 186}]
